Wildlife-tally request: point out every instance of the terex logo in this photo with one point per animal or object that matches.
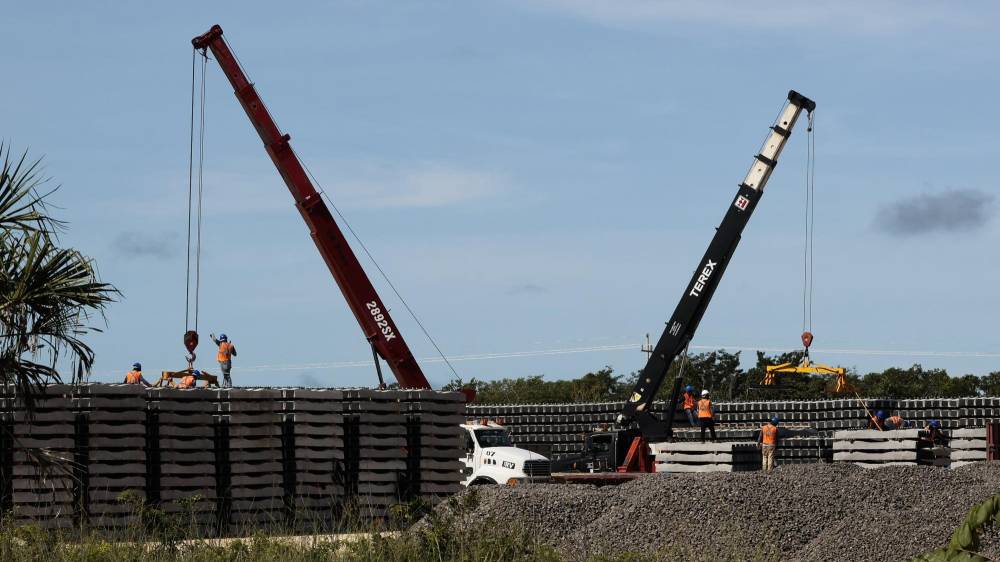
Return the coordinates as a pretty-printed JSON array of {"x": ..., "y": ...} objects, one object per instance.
[{"x": 706, "y": 274}]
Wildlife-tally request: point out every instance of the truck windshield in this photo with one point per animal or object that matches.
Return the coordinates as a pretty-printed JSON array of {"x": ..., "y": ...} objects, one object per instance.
[{"x": 493, "y": 438}]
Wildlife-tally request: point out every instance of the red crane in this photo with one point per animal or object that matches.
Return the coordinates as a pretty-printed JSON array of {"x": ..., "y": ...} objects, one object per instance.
[{"x": 368, "y": 308}]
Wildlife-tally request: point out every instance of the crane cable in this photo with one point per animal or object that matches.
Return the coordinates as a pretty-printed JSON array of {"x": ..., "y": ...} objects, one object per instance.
[
  {"x": 810, "y": 227},
  {"x": 195, "y": 211},
  {"x": 379, "y": 268}
]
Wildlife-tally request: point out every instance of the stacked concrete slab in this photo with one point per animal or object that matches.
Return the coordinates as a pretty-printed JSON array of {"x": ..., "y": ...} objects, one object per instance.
[
  {"x": 115, "y": 453},
  {"x": 44, "y": 482},
  {"x": 872, "y": 448},
  {"x": 315, "y": 455},
  {"x": 252, "y": 418},
  {"x": 184, "y": 436},
  {"x": 435, "y": 443},
  {"x": 706, "y": 457},
  {"x": 967, "y": 445},
  {"x": 6, "y": 450},
  {"x": 381, "y": 443},
  {"x": 559, "y": 430}
]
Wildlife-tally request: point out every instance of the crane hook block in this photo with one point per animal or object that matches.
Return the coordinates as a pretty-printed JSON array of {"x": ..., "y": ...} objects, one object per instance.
[
  {"x": 807, "y": 339},
  {"x": 190, "y": 340}
]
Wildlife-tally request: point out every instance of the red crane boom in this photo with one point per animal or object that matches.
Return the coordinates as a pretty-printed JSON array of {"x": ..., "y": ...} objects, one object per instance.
[{"x": 365, "y": 303}]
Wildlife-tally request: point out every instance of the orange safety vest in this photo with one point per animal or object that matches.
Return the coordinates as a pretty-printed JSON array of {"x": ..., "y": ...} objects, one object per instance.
[
  {"x": 187, "y": 382},
  {"x": 225, "y": 351},
  {"x": 896, "y": 421},
  {"x": 769, "y": 434},
  {"x": 133, "y": 377},
  {"x": 688, "y": 401},
  {"x": 704, "y": 409}
]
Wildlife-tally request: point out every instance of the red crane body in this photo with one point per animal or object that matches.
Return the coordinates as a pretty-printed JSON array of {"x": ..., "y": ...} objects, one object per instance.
[{"x": 368, "y": 308}]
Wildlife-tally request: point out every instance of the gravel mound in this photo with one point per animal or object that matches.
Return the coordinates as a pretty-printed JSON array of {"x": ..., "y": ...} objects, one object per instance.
[{"x": 798, "y": 512}]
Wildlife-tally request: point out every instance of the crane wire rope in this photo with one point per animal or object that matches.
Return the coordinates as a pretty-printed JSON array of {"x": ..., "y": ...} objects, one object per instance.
[
  {"x": 381, "y": 271},
  {"x": 194, "y": 213},
  {"x": 810, "y": 227}
]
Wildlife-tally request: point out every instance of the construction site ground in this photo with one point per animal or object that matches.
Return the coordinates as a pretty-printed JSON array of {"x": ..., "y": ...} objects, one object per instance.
[{"x": 806, "y": 512}]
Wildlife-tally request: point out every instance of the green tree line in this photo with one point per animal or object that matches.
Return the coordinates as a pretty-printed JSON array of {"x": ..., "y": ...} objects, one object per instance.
[{"x": 720, "y": 372}]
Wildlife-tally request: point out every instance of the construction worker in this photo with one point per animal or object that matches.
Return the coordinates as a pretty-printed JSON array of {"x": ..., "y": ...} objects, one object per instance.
[
  {"x": 895, "y": 421},
  {"x": 189, "y": 380},
  {"x": 688, "y": 404},
  {"x": 225, "y": 357},
  {"x": 877, "y": 421},
  {"x": 768, "y": 442},
  {"x": 705, "y": 415},
  {"x": 934, "y": 435},
  {"x": 135, "y": 375}
]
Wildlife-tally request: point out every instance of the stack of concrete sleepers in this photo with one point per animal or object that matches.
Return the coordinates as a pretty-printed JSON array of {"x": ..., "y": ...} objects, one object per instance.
[
  {"x": 436, "y": 442},
  {"x": 44, "y": 482},
  {"x": 381, "y": 445},
  {"x": 314, "y": 456},
  {"x": 871, "y": 448},
  {"x": 967, "y": 446},
  {"x": 256, "y": 490},
  {"x": 706, "y": 457},
  {"x": 6, "y": 449},
  {"x": 801, "y": 450},
  {"x": 116, "y": 453},
  {"x": 184, "y": 460}
]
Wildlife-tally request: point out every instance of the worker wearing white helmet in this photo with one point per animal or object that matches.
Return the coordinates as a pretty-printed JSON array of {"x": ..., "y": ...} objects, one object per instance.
[{"x": 706, "y": 415}]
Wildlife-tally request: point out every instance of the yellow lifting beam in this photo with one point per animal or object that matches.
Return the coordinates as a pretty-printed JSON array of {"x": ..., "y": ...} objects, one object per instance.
[{"x": 805, "y": 367}]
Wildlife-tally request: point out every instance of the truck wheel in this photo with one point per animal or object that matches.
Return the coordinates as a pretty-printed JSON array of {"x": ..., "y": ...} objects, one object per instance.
[{"x": 482, "y": 481}]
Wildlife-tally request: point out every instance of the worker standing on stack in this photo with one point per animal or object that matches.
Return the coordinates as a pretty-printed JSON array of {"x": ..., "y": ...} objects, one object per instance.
[
  {"x": 689, "y": 404},
  {"x": 225, "y": 357},
  {"x": 895, "y": 421},
  {"x": 768, "y": 442},
  {"x": 705, "y": 415},
  {"x": 135, "y": 375}
]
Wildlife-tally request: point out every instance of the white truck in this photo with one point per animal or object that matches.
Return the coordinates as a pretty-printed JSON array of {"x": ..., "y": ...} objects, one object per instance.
[{"x": 491, "y": 457}]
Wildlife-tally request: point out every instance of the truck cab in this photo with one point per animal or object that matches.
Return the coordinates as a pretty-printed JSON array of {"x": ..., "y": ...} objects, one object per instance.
[{"x": 491, "y": 457}]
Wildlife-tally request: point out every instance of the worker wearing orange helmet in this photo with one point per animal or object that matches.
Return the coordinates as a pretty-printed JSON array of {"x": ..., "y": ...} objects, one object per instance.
[
  {"x": 135, "y": 375},
  {"x": 225, "y": 357}
]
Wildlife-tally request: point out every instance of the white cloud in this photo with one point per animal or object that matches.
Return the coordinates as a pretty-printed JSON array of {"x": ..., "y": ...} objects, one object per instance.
[
  {"x": 427, "y": 184},
  {"x": 853, "y": 16}
]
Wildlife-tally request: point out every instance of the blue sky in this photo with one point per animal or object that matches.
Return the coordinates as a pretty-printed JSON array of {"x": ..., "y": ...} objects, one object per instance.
[{"x": 533, "y": 175}]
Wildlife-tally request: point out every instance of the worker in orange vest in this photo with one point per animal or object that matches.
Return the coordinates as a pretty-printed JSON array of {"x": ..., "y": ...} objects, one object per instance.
[
  {"x": 895, "y": 421},
  {"x": 768, "y": 442},
  {"x": 706, "y": 415},
  {"x": 135, "y": 375},
  {"x": 189, "y": 380},
  {"x": 688, "y": 404},
  {"x": 225, "y": 357}
]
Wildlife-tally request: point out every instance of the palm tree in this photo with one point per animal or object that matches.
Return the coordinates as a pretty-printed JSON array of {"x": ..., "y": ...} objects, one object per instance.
[{"x": 49, "y": 296}]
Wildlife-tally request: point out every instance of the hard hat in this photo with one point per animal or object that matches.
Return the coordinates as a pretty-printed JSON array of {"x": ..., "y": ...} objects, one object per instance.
[
  {"x": 775, "y": 420},
  {"x": 935, "y": 423},
  {"x": 880, "y": 414},
  {"x": 704, "y": 393},
  {"x": 137, "y": 366},
  {"x": 222, "y": 337},
  {"x": 688, "y": 388},
  {"x": 196, "y": 373}
]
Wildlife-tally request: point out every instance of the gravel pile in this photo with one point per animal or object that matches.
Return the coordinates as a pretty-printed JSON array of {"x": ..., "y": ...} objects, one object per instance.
[{"x": 798, "y": 512}]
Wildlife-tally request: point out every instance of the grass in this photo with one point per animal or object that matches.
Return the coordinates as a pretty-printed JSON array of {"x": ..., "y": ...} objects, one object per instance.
[{"x": 157, "y": 536}]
